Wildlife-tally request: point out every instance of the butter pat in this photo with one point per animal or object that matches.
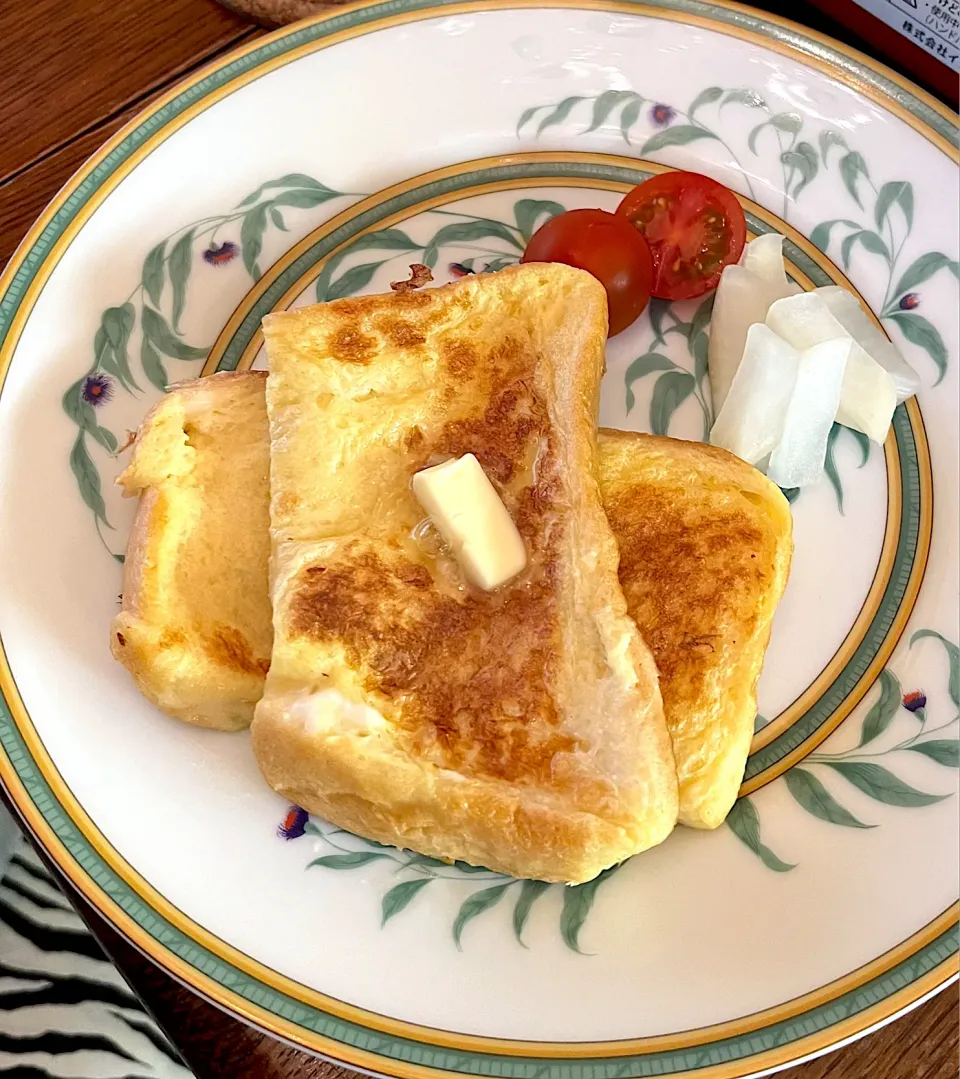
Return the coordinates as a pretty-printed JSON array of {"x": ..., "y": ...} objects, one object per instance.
[{"x": 468, "y": 514}]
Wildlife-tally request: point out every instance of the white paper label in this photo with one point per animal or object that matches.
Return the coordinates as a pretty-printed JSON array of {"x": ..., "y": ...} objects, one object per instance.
[{"x": 933, "y": 25}]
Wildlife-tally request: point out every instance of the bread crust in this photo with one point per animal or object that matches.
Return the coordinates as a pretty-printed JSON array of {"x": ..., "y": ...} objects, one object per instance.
[
  {"x": 705, "y": 549},
  {"x": 194, "y": 629},
  {"x": 520, "y": 730},
  {"x": 659, "y": 493}
]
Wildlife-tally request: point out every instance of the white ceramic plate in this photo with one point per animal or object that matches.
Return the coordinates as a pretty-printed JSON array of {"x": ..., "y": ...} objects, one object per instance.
[{"x": 321, "y": 161}]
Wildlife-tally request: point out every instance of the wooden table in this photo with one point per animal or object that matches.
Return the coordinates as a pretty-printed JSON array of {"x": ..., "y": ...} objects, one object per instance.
[{"x": 74, "y": 71}]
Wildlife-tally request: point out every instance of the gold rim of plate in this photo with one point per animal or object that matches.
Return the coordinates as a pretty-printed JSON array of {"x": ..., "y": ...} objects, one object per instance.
[{"x": 864, "y": 1020}]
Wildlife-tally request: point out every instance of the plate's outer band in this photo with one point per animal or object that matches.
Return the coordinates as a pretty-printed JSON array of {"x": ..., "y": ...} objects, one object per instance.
[
  {"x": 903, "y": 976},
  {"x": 923, "y": 963}
]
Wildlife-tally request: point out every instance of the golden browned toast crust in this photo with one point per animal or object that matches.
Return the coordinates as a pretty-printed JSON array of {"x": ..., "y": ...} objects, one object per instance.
[
  {"x": 704, "y": 552},
  {"x": 705, "y": 548},
  {"x": 520, "y": 729},
  {"x": 422, "y": 635},
  {"x": 195, "y": 626}
]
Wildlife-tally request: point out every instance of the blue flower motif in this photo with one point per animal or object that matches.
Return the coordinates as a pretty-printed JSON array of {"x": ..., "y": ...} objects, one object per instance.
[
  {"x": 910, "y": 302},
  {"x": 915, "y": 701},
  {"x": 294, "y": 823},
  {"x": 220, "y": 255},
  {"x": 97, "y": 389},
  {"x": 662, "y": 115}
]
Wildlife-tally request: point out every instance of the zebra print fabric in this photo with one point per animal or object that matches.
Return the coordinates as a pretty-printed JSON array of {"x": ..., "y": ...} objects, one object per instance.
[{"x": 65, "y": 1012}]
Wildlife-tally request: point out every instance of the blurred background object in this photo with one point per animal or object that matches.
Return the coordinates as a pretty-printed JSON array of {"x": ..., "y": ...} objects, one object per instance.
[
  {"x": 9, "y": 836},
  {"x": 918, "y": 37},
  {"x": 280, "y": 12}
]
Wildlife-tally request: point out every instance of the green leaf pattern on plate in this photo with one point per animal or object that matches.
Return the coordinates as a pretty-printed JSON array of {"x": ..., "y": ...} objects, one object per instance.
[
  {"x": 153, "y": 274},
  {"x": 709, "y": 96},
  {"x": 157, "y": 304},
  {"x": 803, "y": 166},
  {"x": 159, "y": 300},
  {"x": 154, "y": 310},
  {"x": 474, "y": 905},
  {"x": 884, "y": 708},
  {"x": 953, "y": 660},
  {"x": 487, "y": 888},
  {"x": 744, "y": 821},
  {"x": 577, "y": 903},
  {"x": 923, "y": 268},
  {"x": 356, "y": 278},
  {"x": 348, "y": 861},
  {"x": 500, "y": 243},
  {"x": 921, "y": 331},
  {"x": 887, "y": 211},
  {"x": 678, "y": 135},
  {"x": 530, "y": 892},
  {"x": 558, "y": 114},
  {"x": 606, "y": 102},
  {"x": 689, "y": 321},
  {"x": 822, "y": 797},
  {"x": 110, "y": 344},
  {"x": 882, "y": 785},
  {"x": 399, "y": 896},
  {"x": 830, "y": 464},
  {"x": 817, "y": 800},
  {"x": 530, "y": 214},
  {"x": 152, "y": 365},
  {"x": 251, "y": 239},
  {"x": 645, "y": 365},
  {"x": 88, "y": 479},
  {"x": 896, "y": 192},
  {"x": 852, "y": 167},
  {"x": 943, "y": 751},
  {"x": 671, "y": 390},
  {"x": 181, "y": 262}
]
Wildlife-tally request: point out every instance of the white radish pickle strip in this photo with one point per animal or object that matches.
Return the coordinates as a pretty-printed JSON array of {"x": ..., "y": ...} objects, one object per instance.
[
  {"x": 846, "y": 309},
  {"x": 869, "y": 395},
  {"x": 799, "y": 457},
  {"x": 738, "y": 305},
  {"x": 764, "y": 257},
  {"x": 750, "y": 423},
  {"x": 804, "y": 321},
  {"x": 743, "y": 297}
]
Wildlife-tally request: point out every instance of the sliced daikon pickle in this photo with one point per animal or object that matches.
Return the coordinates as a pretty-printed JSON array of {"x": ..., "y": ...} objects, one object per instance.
[
  {"x": 750, "y": 423},
  {"x": 799, "y": 456},
  {"x": 847, "y": 310},
  {"x": 869, "y": 395}
]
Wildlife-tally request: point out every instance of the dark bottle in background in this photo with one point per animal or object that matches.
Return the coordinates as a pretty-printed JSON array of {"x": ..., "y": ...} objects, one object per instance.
[{"x": 920, "y": 38}]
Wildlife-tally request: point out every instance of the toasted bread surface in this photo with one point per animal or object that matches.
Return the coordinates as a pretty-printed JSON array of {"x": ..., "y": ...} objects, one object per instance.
[
  {"x": 195, "y": 625},
  {"x": 520, "y": 729},
  {"x": 705, "y": 548}
]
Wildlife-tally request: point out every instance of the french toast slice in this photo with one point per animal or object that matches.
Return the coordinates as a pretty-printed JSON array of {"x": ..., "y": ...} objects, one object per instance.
[
  {"x": 688, "y": 520},
  {"x": 195, "y": 626},
  {"x": 520, "y": 729},
  {"x": 705, "y": 548}
]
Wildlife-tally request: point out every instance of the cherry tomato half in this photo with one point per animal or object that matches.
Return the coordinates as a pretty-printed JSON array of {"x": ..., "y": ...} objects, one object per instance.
[
  {"x": 606, "y": 246},
  {"x": 694, "y": 227}
]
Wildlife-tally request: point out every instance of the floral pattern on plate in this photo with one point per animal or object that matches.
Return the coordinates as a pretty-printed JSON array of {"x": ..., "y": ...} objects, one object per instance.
[{"x": 168, "y": 839}]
